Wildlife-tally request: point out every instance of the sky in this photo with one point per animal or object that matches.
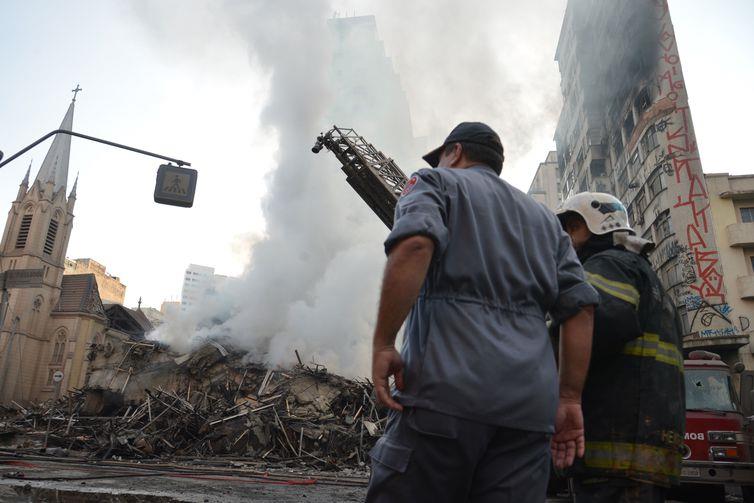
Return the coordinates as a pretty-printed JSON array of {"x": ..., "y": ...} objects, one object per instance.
[{"x": 184, "y": 79}]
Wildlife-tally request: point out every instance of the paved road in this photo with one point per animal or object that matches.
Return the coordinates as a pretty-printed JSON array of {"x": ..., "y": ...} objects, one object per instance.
[
  {"x": 25, "y": 479},
  {"x": 40, "y": 480}
]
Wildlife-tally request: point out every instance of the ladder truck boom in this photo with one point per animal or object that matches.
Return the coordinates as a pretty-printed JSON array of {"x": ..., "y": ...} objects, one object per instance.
[{"x": 377, "y": 179}]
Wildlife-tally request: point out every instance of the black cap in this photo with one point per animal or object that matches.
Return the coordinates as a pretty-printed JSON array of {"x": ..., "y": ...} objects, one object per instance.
[{"x": 477, "y": 133}]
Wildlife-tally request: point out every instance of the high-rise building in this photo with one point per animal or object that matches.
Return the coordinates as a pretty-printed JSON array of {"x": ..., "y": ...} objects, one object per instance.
[
  {"x": 545, "y": 187},
  {"x": 111, "y": 289},
  {"x": 47, "y": 329},
  {"x": 199, "y": 281},
  {"x": 626, "y": 128},
  {"x": 367, "y": 90}
]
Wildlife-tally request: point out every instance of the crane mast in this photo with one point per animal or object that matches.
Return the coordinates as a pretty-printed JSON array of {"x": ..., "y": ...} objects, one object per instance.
[{"x": 376, "y": 179}]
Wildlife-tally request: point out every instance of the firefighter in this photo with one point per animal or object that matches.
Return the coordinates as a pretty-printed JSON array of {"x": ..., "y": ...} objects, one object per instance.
[
  {"x": 633, "y": 399},
  {"x": 475, "y": 264}
]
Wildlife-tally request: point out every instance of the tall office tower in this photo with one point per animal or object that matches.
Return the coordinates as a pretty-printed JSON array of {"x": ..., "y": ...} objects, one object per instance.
[
  {"x": 626, "y": 128},
  {"x": 367, "y": 90}
]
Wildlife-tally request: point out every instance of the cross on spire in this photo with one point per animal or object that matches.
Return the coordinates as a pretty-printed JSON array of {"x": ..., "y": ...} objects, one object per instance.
[{"x": 76, "y": 91}]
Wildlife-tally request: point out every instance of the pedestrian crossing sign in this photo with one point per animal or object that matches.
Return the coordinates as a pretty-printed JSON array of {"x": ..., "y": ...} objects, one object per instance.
[{"x": 175, "y": 186}]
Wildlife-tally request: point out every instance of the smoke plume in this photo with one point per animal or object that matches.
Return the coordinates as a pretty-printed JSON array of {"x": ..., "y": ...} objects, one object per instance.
[{"x": 312, "y": 280}]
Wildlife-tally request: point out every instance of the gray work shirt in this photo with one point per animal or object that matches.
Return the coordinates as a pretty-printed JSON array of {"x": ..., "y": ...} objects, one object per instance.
[{"x": 475, "y": 343}]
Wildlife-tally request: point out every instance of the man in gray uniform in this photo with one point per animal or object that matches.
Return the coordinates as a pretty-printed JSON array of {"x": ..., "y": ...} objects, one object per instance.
[{"x": 478, "y": 264}]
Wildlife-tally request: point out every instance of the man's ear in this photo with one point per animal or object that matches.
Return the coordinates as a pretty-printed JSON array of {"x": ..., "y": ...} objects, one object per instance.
[{"x": 456, "y": 155}]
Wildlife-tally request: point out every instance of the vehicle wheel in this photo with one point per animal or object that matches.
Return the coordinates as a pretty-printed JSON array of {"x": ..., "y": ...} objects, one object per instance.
[{"x": 748, "y": 493}]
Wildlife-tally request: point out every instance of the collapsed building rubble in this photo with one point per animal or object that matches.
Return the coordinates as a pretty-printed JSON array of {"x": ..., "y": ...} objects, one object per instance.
[{"x": 143, "y": 401}]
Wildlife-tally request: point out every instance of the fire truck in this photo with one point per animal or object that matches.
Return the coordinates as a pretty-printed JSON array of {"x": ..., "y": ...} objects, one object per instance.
[
  {"x": 717, "y": 452},
  {"x": 717, "y": 448}
]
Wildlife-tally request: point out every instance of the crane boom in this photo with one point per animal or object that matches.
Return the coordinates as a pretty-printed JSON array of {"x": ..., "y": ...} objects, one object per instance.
[{"x": 377, "y": 179}]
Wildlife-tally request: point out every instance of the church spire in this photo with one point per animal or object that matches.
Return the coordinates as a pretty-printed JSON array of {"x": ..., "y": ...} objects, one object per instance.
[
  {"x": 73, "y": 190},
  {"x": 24, "y": 185},
  {"x": 55, "y": 165},
  {"x": 25, "y": 181}
]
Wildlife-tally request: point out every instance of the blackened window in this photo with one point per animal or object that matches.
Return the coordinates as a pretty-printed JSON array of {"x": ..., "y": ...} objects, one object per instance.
[
  {"x": 628, "y": 124},
  {"x": 640, "y": 207},
  {"x": 52, "y": 232},
  {"x": 642, "y": 100},
  {"x": 598, "y": 167},
  {"x": 23, "y": 231},
  {"x": 656, "y": 184},
  {"x": 618, "y": 145},
  {"x": 674, "y": 274},
  {"x": 649, "y": 140},
  {"x": 662, "y": 226},
  {"x": 747, "y": 214},
  {"x": 633, "y": 164}
]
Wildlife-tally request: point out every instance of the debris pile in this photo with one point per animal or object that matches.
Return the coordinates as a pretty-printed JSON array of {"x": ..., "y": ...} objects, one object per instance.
[{"x": 218, "y": 406}]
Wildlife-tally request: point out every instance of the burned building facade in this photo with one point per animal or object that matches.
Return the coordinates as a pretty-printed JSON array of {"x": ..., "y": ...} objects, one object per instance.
[
  {"x": 625, "y": 128},
  {"x": 545, "y": 186}
]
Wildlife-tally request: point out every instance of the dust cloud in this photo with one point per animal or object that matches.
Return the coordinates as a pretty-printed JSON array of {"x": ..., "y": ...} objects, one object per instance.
[{"x": 414, "y": 70}]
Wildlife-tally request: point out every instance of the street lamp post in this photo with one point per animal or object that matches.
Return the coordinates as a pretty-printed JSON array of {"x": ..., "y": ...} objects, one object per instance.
[
  {"x": 92, "y": 138},
  {"x": 182, "y": 195}
]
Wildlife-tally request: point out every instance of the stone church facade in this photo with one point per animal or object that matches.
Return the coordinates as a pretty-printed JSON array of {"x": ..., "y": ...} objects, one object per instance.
[{"x": 51, "y": 327}]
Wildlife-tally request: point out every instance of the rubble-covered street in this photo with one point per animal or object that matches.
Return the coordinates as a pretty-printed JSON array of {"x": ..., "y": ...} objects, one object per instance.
[
  {"x": 143, "y": 402},
  {"x": 210, "y": 425}
]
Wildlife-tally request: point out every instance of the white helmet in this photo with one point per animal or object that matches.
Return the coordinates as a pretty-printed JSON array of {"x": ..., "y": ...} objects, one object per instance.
[{"x": 603, "y": 213}]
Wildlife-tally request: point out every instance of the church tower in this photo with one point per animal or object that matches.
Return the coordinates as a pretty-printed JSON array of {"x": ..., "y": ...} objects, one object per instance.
[
  {"x": 40, "y": 219},
  {"x": 36, "y": 236}
]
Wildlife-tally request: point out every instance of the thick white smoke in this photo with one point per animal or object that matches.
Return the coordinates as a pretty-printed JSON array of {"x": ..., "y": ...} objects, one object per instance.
[{"x": 312, "y": 281}]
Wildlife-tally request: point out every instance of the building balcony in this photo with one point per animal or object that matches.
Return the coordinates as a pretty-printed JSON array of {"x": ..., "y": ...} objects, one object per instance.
[
  {"x": 740, "y": 234},
  {"x": 717, "y": 340},
  {"x": 745, "y": 286}
]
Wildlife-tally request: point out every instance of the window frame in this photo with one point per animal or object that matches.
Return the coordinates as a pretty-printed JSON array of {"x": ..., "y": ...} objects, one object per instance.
[{"x": 749, "y": 212}]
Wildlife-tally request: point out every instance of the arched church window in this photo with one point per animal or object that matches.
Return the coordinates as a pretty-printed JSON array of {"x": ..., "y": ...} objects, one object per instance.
[
  {"x": 52, "y": 232},
  {"x": 23, "y": 231},
  {"x": 58, "y": 350}
]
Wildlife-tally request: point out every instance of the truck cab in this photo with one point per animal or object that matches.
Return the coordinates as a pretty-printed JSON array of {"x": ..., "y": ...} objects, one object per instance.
[{"x": 717, "y": 447}]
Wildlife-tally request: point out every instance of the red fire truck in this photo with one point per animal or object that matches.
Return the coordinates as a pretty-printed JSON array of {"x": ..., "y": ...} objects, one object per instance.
[{"x": 718, "y": 448}]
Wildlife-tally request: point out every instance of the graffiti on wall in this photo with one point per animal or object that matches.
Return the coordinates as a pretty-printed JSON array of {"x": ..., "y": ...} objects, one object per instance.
[
  {"x": 714, "y": 320},
  {"x": 690, "y": 205}
]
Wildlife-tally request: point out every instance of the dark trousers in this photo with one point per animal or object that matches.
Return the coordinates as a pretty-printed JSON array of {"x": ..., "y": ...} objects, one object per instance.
[
  {"x": 425, "y": 456},
  {"x": 616, "y": 490}
]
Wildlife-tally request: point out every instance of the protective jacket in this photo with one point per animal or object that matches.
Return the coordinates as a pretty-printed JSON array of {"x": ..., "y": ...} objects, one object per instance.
[{"x": 633, "y": 399}]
